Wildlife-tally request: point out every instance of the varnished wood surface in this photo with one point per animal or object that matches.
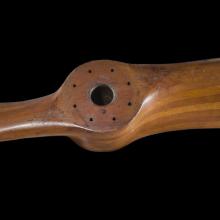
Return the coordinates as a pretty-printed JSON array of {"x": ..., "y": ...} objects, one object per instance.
[{"x": 148, "y": 99}]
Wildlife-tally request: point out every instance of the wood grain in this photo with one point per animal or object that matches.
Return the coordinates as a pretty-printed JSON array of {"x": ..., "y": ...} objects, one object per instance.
[{"x": 148, "y": 99}]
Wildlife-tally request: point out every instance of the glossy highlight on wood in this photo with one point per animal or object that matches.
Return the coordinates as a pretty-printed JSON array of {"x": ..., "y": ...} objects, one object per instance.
[{"x": 104, "y": 105}]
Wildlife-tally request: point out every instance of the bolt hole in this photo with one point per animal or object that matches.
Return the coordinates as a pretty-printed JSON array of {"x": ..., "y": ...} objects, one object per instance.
[
  {"x": 90, "y": 71},
  {"x": 112, "y": 70},
  {"x": 128, "y": 83},
  {"x": 114, "y": 119},
  {"x": 129, "y": 103},
  {"x": 74, "y": 106},
  {"x": 91, "y": 119},
  {"x": 74, "y": 85}
]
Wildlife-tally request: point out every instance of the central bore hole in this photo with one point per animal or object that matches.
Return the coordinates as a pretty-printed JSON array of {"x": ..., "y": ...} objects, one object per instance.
[{"x": 102, "y": 95}]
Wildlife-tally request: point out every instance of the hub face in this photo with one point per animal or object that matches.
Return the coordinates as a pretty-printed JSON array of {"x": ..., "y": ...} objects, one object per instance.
[{"x": 101, "y": 95}]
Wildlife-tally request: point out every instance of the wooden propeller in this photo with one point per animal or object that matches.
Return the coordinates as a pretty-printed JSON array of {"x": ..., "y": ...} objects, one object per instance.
[{"x": 105, "y": 105}]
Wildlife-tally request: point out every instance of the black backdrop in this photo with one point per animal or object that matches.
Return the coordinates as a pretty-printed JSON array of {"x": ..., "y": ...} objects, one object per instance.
[{"x": 38, "y": 54}]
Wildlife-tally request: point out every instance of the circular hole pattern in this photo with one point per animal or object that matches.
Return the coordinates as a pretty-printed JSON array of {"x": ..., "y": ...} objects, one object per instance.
[{"x": 102, "y": 95}]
